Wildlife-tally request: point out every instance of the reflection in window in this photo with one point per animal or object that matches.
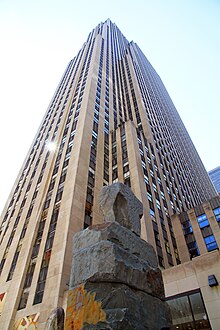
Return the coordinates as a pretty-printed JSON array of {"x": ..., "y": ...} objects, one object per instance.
[
  {"x": 180, "y": 310},
  {"x": 188, "y": 312},
  {"x": 217, "y": 214},
  {"x": 203, "y": 221},
  {"x": 197, "y": 306},
  {"x": 207, "y": 233},
  {"x": 210, "y": 243}
]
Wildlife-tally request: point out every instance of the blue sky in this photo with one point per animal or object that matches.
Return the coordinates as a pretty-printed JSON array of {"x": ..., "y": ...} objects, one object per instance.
[{"x": 38, "y": 38}]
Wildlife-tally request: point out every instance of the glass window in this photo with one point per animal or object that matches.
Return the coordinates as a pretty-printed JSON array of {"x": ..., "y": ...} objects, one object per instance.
[
  {"x": 217, "y": 214},
  {"x": 210, "y": 243},
  {"x": 152, "y": 214},
  {"x": 193, "y": 248},
  {"x": 187, "y": 228},
  {"x": 180, "y": 310},
  {"x": 149, "y": 196},
  {"x": 203, "y": 221},
  {"x": 197, "y": 306},
  {"x": 188, "y": 312}
]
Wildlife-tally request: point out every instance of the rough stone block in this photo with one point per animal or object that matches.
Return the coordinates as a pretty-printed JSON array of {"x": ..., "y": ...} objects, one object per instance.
[
  {"x": 119, "y": 235},
  {"x": 118, "y": 203},
  {"x": 124, "y": 305},
  {"x": 107, "y": 262}
]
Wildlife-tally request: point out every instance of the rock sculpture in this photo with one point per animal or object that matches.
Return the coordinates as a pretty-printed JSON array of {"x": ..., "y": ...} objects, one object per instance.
[{"x": 115, "y": 281}]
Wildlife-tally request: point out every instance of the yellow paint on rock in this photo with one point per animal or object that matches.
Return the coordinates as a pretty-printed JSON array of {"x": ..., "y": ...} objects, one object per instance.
[{"x": 82, "y": 308}]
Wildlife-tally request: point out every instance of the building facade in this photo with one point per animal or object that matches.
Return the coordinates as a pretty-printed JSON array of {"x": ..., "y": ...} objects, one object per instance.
[
  {"x": 193, "y": 286},
  {"x": 110, "y": 119},
  {"x": 215, "y": 177}
]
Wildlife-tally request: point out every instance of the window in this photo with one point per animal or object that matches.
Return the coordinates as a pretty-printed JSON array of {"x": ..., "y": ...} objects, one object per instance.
[
  {"x": 126, "y": 175},
  {"x": 203, "y": 221},
  {"x": 158, "y": 203},
  {"x": 187, "y": 228},
  {"x": 59, "y": 194},
  {"x": 167, "y": 246},
  {"x": 154, "y": 187},
  {"x": 23, "y": 300},
  {"x": 152, "y": 214},
  {"x": 11, "y": 238},
  {"x": 192, "y": 246},
  {"x": 2, "y": 264},
  {"x": 210, "y": 243},
  {"x": 157, "y": 238},
  {"x": 114, "y": 174},
  {"x": 161, "y": 262},
  {"x": 162, "y": 195},
  {"x": 146, "y": 179},
  {"x": 149, "y": 196},
  {"x": 176, "y": 254},
  {"x": 47, "y": 203},
  {"x": 217, "y": 214},
  {"x": 188, "y": 312},
  {"x": 13, "y": 265}
]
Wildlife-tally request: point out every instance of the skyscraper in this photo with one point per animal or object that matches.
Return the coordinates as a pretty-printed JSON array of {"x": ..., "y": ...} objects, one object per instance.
[
  {"x": 215, "y": 177},
  {"x": 110, "y": 119}
]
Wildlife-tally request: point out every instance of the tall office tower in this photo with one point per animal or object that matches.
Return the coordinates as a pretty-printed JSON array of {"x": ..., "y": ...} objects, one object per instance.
[
  {"x": 215, "y": 178},
  {"x": 110, "y": 119}
]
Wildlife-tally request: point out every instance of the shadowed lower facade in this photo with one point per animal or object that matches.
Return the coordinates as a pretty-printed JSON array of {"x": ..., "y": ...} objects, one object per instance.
[{"x": 110, "y": 119}]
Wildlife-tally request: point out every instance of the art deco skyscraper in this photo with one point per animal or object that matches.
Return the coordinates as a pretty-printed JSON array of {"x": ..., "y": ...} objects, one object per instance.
[{"x": 110, "y": 119}]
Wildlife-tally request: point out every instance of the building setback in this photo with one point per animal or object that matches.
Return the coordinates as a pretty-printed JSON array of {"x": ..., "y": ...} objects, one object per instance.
[{"x": 110, "y": 119}]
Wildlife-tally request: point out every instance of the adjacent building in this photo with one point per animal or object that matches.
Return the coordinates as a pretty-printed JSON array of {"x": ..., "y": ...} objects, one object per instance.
[
  {"x": 110, "y": 119},
  {"x": 215, "y": 177},
  {"x": 193, "y": 289}
]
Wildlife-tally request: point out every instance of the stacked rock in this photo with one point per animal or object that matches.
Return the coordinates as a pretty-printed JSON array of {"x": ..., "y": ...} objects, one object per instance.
[{"x": 115, "y": 281}]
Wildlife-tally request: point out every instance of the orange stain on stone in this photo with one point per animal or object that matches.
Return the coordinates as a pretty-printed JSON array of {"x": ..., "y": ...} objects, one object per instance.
[{"x": 82, "y": 308}]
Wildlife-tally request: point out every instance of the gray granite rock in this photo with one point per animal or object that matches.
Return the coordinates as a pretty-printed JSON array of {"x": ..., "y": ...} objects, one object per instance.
[
  {"x": 127, "y": 308},
  {"x": 121, "y": 236},
  {"x": 106, "y": 261},
  {"x": 118, "y": 203}
]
